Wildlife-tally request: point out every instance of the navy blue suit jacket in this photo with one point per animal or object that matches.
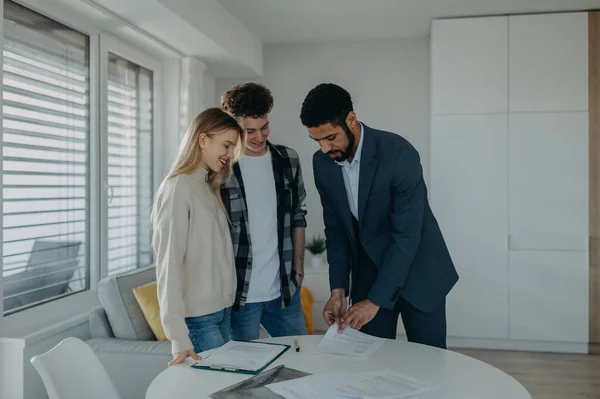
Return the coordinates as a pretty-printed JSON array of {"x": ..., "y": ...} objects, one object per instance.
[{"x": 396, "y": 226}]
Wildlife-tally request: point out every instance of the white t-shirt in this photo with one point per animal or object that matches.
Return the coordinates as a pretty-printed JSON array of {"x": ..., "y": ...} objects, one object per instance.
[{"x": 261, "y": 199}]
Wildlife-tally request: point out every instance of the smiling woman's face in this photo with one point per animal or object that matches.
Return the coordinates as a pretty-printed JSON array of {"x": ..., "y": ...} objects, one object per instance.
[{"x": 218, "y": 149}]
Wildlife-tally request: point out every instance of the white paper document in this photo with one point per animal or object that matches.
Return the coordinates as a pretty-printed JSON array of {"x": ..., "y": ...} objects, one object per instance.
[
  {"x": 301, "y": 388},
  {"x": 377, "y": 384},
  {"x": 350, "y": 344},
  {"x": 383, "y": 384},
  {"x": 293, "y": 391},
  {"x": 249, "y": 356}
]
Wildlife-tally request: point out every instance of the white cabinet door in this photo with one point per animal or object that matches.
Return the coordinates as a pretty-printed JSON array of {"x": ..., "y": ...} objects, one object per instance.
[
  {"x": 469, "y": 199},
  {"x": 548, "y": 187},
  {"x": 469, "y": 65},
  {"x": 549, "y": 296},
  {"x": 548, "y": 62}
]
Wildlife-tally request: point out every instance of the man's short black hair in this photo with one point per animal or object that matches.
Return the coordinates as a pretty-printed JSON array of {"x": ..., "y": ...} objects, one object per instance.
[{"x": 326, "y": 103}]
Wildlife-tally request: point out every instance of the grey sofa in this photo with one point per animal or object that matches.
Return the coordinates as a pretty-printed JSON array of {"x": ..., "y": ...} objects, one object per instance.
[{"x": 122, "y": 338}]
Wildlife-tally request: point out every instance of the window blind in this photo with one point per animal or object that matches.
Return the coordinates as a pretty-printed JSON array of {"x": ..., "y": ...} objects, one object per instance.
[
  {"x": 130, "y": 121},
  {"x": 45, "y": 161}
]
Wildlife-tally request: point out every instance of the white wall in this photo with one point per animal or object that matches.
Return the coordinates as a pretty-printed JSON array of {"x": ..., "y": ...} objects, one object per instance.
[
  {"x": 209, "y": 98},
  {"x": 171, "y": 108},
  {"x": 170, "y": 89},
  {"x": 388, "y": 81}
]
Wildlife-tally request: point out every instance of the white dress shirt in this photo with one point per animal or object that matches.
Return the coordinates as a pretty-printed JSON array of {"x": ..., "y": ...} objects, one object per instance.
[{"x": 351, "y": 173}]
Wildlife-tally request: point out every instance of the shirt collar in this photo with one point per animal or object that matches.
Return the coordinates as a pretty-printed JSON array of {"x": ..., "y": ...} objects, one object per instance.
[{"x": 358, "y": 153}]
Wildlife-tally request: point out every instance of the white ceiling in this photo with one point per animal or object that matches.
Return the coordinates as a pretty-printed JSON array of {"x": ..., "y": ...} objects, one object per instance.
[{"x": 288, "y": 21}]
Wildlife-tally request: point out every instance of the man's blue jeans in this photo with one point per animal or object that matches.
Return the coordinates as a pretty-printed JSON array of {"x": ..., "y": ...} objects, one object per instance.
[
  {"x": 209, "y": 331},
  {"x": 279, "y": 322}
]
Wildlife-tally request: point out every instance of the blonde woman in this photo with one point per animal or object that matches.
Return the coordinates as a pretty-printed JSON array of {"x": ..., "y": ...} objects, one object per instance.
[{"x": 194, "y": 254}]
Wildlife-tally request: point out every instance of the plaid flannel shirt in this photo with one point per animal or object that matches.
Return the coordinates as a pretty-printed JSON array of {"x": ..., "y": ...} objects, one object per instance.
[{"x": 291, "y": 212}]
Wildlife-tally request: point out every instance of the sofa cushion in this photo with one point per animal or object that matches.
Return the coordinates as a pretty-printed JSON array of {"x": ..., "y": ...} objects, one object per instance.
[
  {"x": 99, "y": 324},
  {"x": 124, "y": 314},
  {"x": 147, "y": 297}
]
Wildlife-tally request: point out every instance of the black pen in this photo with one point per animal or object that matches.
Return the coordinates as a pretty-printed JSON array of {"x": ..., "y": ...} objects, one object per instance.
[{"x": 296, "y": 345}]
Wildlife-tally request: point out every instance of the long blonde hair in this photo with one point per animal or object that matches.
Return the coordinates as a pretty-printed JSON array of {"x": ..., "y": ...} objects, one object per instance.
[{"x": 211, "y": 121}]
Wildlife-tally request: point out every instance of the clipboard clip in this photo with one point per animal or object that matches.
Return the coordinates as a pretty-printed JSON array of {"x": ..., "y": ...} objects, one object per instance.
[{"x": 225, "y": 367}]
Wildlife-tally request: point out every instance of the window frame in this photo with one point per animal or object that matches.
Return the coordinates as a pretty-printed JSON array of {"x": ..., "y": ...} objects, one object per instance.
[
  {"x": 111, "y": 45},
  {"x": 89, "y": 264},
  {"x": 100, "y": 45}
]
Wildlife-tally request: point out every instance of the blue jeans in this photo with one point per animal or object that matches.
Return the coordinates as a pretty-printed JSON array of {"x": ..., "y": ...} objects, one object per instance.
[
  {"x": 277, "y": 321},
  {"x": 209, "y": 331}
]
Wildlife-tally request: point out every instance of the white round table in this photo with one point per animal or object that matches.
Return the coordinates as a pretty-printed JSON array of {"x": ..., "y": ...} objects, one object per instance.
[{"x": 457, "y": 376}]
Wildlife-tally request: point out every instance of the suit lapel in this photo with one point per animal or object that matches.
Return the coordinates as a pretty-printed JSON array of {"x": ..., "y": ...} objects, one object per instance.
[{"x": 368, "y": 167}]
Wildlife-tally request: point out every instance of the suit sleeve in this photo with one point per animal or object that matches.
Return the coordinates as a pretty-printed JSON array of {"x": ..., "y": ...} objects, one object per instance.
[
  {"x": 338, "y": 245},
  {"x": 408, "y": 203}
]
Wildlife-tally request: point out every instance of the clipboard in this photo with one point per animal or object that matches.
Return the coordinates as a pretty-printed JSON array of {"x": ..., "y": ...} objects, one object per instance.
[{"x": 235, "y": 369}]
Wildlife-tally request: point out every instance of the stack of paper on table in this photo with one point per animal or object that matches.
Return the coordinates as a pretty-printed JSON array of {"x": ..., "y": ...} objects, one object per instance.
[
  {"x": 350, "y": 344},
  {"x": 382, "y": 384}
]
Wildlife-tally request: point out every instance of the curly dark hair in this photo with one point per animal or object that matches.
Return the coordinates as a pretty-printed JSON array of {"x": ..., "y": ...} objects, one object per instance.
[
  {"x": 249, "y": 100},
  {"x": 326, "y": 103}
]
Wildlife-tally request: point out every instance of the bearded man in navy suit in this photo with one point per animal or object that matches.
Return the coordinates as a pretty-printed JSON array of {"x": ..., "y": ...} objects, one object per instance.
[{"x": 384, "y": 247}]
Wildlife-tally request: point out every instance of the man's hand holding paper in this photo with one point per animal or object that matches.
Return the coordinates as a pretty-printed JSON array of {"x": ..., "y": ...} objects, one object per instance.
[{"x": 358, "y": 315}]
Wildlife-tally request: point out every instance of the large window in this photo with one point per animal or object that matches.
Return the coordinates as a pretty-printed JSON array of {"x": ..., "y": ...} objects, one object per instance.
[
  {"x": 44, "y": 159},
  {"x": 130, "y": 120},
  {"x": 77, "y": 158}
]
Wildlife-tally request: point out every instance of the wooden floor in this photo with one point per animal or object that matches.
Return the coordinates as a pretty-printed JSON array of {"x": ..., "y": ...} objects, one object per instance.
[{"x": 547, "y": 375}]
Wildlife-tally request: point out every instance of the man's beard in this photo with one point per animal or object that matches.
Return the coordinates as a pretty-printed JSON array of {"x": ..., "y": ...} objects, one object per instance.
[{"x": 343, "y": 155}]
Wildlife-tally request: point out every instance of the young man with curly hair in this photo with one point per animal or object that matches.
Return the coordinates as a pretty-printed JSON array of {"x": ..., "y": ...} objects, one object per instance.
[
  {"x": 265, "y": 199},
  {"x": 380, "y": 230}
]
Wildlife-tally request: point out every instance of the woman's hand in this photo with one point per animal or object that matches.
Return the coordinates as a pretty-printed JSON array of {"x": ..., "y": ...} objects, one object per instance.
[{"x": 180, "y": 357}]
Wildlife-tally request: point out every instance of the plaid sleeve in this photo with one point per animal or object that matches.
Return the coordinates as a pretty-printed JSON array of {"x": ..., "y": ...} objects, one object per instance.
[{"x": 299, "y": 200}]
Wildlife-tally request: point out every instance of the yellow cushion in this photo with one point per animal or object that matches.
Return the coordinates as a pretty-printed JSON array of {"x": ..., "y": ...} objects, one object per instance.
[
  {"x": 307, "y": 299},
  {"x": 147, "y": 297}
]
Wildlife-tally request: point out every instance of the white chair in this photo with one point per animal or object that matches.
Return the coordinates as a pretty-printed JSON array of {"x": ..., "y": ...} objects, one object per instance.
[{"x": 71, "y": 370}]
